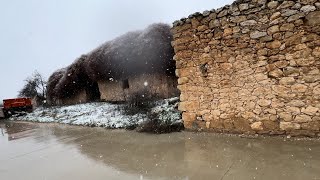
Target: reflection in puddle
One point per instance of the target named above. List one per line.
(16, 131)
(130, 155)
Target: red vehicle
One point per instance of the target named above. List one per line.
(16, 106)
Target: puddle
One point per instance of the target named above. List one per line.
(53, 151)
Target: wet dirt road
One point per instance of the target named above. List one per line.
(51, 151)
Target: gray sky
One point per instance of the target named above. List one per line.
(45, 35)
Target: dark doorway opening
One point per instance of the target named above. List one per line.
(93, 92)
(125, 84)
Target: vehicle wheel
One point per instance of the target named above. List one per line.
(29, 109)
(7, 114)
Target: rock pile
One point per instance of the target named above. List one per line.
(251, 67)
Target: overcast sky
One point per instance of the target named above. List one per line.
(45, 35)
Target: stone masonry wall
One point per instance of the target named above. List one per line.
(251, 67)
(151, 85)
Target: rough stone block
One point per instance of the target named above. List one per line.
(307, 8)
(257, 126)
(313, 18)
(285, 116)
(287, 81)
(257, 34)
(188, 117)
(189, 106)
(264, 102)
(288, 126)
(310, 110)
(274, 44)
(273, 4)
(302, 119)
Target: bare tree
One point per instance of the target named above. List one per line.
(35, 86)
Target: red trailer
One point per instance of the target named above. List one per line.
(16, 106)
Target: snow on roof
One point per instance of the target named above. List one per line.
(139, 52)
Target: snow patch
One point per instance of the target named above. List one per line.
(104, 114)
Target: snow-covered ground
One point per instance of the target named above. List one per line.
(105, 114)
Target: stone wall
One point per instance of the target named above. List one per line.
(148, 85)
(158, 85)
(251, 67)
(111, 91)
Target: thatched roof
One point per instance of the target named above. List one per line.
(140, 52)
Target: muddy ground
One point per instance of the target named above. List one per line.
(54, 151)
